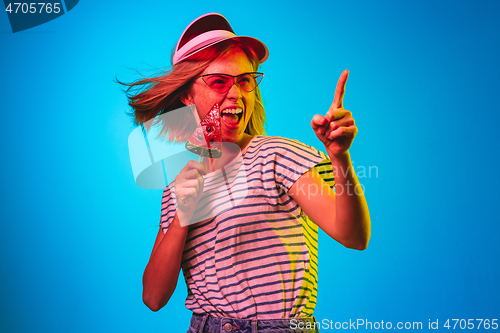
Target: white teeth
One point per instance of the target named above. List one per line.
(233, 111)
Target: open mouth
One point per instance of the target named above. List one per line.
(232, 116)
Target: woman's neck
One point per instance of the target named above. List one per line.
(245, 140)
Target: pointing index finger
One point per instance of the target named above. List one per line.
(339, 92)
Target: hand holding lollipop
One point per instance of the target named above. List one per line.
(205, 141)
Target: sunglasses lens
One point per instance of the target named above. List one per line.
(219, 83)
(246, 82)
(249, 82)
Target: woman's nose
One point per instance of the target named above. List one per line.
(234, 92)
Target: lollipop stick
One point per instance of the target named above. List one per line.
(187, 199)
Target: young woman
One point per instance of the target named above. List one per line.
(252, 268)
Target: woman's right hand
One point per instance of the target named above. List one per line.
(189, 187)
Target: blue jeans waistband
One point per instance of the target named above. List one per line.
(209, 324)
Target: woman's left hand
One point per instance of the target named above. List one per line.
(336, 129)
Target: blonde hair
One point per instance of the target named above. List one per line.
(150, 97)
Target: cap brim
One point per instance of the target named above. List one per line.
(259, 47)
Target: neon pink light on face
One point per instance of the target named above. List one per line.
(235, 101)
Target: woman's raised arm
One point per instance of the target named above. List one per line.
(342, 214)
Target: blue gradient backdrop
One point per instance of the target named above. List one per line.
(76, 232)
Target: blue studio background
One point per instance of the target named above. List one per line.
(76, 232)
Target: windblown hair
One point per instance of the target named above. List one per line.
(151, 97)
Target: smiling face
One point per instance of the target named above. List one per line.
(236, 105)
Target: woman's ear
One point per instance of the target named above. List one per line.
(186, 98)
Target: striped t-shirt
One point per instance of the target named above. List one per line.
(256, 259)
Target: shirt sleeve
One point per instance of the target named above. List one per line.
(168, 208)
(325, 171)
(292, 159)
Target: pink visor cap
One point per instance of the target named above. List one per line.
(208, 30)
